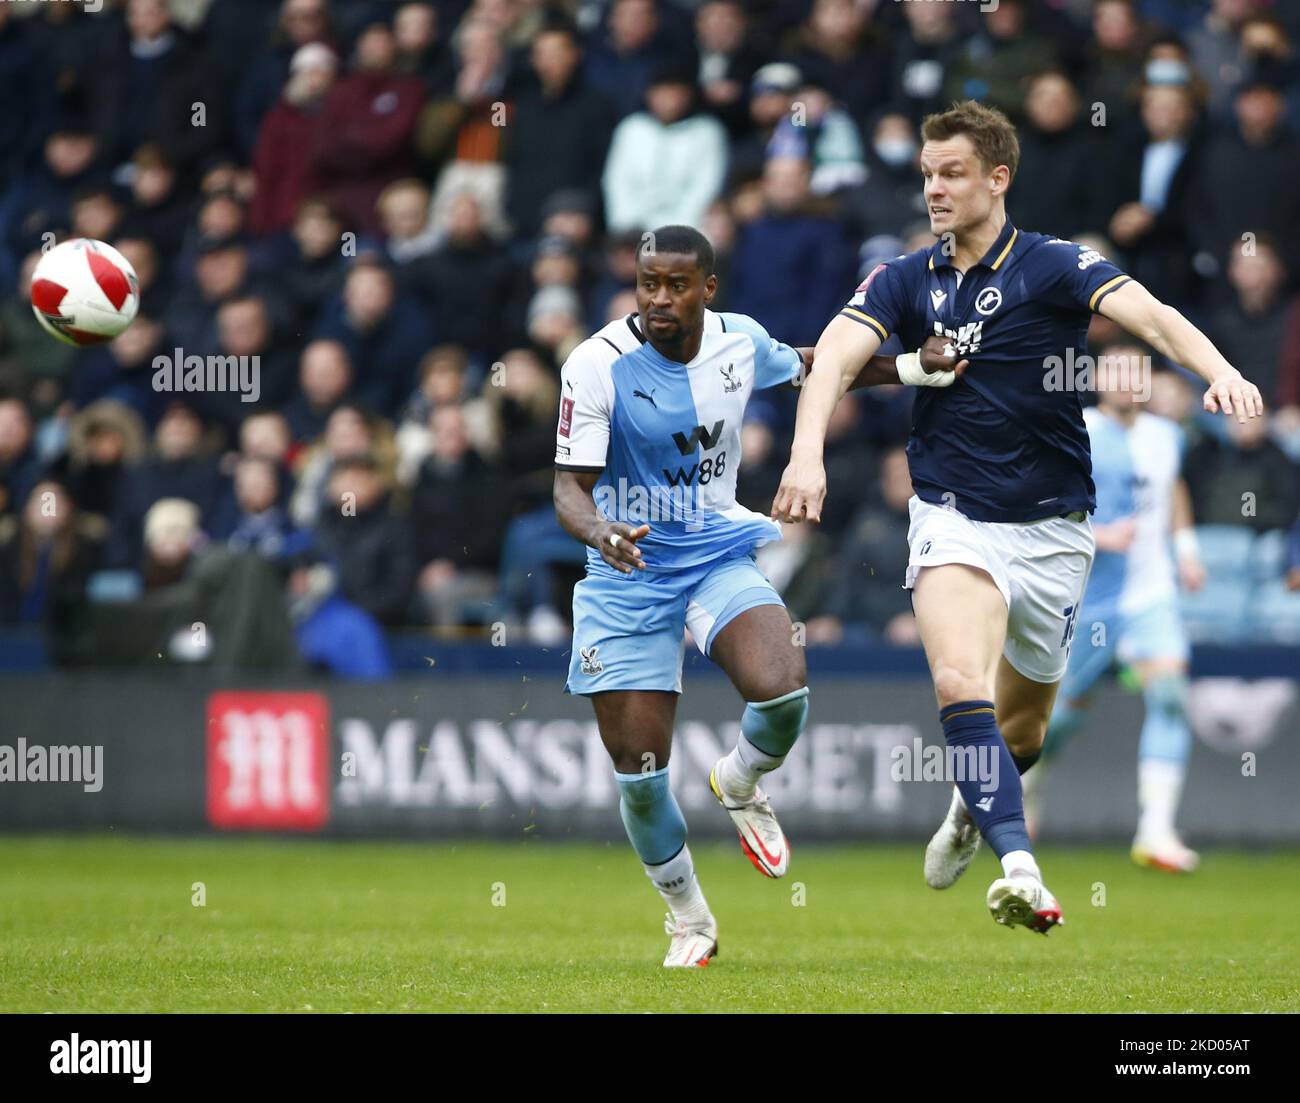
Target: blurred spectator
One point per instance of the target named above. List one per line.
(457, 561)
(367, 542)
(1237, 179)
(523, 404)
(422, 49)
(333, 634)
(262, 81)
(727, 61)
(1055, 187)
(315, 274)
(19, 464)
(771, 101)
(40, 199)
(350, 431)
(179, 468)
(466, 280)
(159, 210)
(825, 136)
(994, 61)
(105, 439)
(1243, 480)
(1147, 191)
(921, 58)
(867, 588)
(464, 131)
(324, 380)
(385, 334)
(262, 526)
(149, 88)
(1250, 328)
(47, 553)
(123, 370)
(364, 141)
(620, 69)
(405, 215)
(1115, 54)
(443, 382)
(838, 49)
(791, 269)
(285, 176)
(666, 164)
(559, 134)
(890, 200)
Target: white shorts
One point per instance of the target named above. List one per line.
(1040, 568)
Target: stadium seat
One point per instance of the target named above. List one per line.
(1274, 613)
(1267, 554)
(1224, 548)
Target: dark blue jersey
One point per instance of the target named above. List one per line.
(1007, 441)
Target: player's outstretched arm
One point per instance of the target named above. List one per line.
(578, 516)
(845, 347)
(1166, 330)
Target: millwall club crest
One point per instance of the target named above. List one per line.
(730, 382)
(590, 664)
(988, 301)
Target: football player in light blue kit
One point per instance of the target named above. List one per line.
(1130, 610)
(646, 454)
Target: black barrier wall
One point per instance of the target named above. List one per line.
(504, 757)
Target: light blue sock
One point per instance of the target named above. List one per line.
(773, 726)
(1165, 732)
(654, 822)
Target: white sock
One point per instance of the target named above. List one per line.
(1160, 785)
(739, 772)
(677, 884)
(1020, 862)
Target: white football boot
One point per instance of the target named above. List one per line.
(1022, 900)
(693, 944)
(1164, 852)
(951, 848)
(761, 837)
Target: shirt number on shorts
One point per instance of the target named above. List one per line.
(1068, 635)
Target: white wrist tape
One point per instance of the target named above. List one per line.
(1185, 544)
(910, 372)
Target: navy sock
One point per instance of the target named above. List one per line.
(986, 775)
(1024, 761)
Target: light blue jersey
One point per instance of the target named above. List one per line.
(665, 436)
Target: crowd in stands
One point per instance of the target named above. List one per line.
(410, 213)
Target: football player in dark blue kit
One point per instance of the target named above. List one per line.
(1000, 540)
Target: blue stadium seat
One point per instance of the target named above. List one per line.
(1274, 613)
(1267, 554)
(1217, 613)
(1224, 548)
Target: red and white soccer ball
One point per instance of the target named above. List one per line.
(84, 292)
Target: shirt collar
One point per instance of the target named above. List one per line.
(993, 259)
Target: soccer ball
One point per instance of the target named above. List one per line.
(84, 292)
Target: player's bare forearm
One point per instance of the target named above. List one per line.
(575, 508)
(844, 351)
(1173, 336)
(880, 370)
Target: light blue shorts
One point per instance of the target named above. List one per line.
(1105, 636)
(629, 630)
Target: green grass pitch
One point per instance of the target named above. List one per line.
(107, 924)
